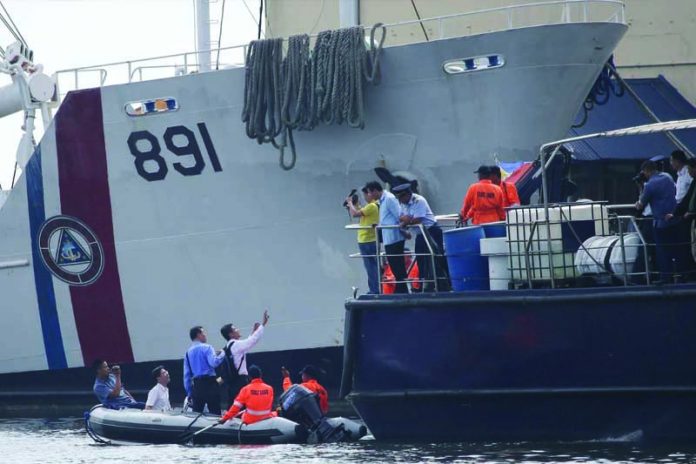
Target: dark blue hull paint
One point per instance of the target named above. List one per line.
(576, 364)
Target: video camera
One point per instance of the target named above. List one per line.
(640, 177)
(353, 198)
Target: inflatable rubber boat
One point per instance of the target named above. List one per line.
(301, 424)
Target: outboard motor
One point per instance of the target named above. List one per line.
(301, 405)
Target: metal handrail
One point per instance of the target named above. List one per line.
(618, 17)
(430, 253)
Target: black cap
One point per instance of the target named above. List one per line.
(483, 170)
(311, 371)
(254, 372)
(402, 188)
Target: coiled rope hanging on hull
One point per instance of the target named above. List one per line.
(303, 89)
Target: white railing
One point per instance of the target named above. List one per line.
(441, 27)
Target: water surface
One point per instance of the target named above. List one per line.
(61, 441)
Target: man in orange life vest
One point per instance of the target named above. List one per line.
(256, 397)
(309, 380)
(510, 196)
(484, 200)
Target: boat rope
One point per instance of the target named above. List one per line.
(185, 432)
(420, 20)
(90, 431)
(303, 89)
(606, 85)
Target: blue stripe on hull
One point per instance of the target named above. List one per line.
(45, 294)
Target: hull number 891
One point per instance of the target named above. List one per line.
(179, 140)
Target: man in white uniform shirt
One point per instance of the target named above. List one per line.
(158, 398)
(678, 162)
(234, 368)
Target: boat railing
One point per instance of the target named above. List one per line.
(411, 31)
(380, 256)
(549, 260)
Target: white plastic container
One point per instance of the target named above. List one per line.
(593, 256)
(632, 247)
(497, 251)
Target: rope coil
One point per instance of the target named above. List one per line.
(304, 89)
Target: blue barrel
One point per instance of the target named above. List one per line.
(494, 229)
(468, 269)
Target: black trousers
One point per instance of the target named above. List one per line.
(206, 392)
(425, 263)
(233, 388)
(397, 264)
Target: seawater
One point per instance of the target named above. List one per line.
(48, 441)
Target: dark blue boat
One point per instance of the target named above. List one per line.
(573, 364)
(606, 357)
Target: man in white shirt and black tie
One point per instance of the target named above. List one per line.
(234, 368)
(158, 397)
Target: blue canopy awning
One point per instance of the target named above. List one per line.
(619, 112)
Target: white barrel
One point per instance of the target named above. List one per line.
(593, 256)
(497, 250)
(632, 247)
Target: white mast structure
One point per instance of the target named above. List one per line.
(203, 44)
(31, 90)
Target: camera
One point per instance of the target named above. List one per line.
(353, 198)
(640, 177)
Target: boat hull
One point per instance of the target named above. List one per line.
(580, 364)
(175, 237)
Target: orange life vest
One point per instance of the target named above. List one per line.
(257, 398)
(315, 387)
(483, 203)
(510, 196)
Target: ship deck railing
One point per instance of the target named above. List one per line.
(383, 256)
(412, 31)
(530, 264)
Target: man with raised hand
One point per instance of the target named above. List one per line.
(235, 373)
(109, 389)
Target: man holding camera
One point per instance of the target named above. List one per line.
(109, 389)
(367, 238)
(659, 193)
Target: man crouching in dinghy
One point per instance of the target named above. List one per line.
(256, 397)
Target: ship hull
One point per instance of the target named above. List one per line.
(581, 364)
(183, 220)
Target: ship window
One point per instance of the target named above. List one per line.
(474, 63)
(154, 106)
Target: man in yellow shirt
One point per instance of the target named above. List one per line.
(367, 238)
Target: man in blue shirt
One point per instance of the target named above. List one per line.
(200, 380)
(393, 239)
(659, 193)
(416, 210)
(109, 389)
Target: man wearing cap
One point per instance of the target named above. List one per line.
(416, 210)
(394, 241)
(483, 202)
(367, 238)
(158, 397)
(256, 399)
(660, 194)
(309, 380)
(510, 195)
